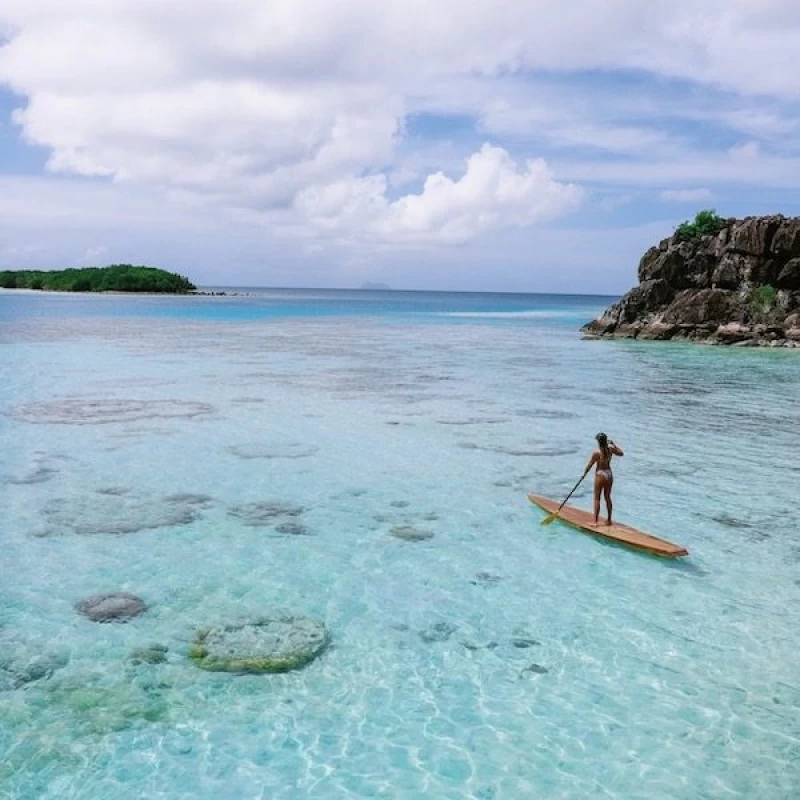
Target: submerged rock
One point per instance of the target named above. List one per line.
(292, 528)
(275, 450)
(264, 513)
(486, 579)
(438, 632)
(115, 607)
(20, 665)
(115, 514)
(39, 474)
(152, 654)
(276, 643)
(521, 638)
(93, 411)
(731, 522)
(410, 534)
(114, 491)
(523, 642)
(190, 499)
(534, 669)
(470, 644)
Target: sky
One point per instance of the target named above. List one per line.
(475, 145)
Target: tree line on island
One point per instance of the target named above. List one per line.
(114, 278)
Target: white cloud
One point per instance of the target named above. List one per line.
(37, 204)
(565, 123)
(745, 153)
(685, 195)
(292, 111)
(611, 202)
(742, 167)
(492, 193)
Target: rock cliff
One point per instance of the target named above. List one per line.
(740, 285)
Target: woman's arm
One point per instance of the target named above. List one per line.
(589, 465)
(615, 449)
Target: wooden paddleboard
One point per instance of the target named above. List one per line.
(624, 534)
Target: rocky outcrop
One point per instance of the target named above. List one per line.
(738, 286)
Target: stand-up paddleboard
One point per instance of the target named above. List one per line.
(624, 534)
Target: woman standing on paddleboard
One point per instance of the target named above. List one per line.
(603, 477)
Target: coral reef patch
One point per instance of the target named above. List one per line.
(114, 607)
(92, 411)
(278, 642)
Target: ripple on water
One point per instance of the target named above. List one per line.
(641, 665)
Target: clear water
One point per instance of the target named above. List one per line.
(641, 678)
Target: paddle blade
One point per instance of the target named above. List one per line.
(549, 518)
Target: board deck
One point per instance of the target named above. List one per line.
(624, 534)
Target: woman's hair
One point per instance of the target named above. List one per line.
(602, 440)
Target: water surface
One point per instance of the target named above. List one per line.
(496, 658)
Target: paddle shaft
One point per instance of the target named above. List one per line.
(553, 516)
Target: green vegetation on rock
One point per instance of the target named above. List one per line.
(705, 222)
(740, 286)
(255, 665)
(115, 278)
(762, 299)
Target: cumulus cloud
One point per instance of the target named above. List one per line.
(293, 111)
(492, 193)
(685, 195)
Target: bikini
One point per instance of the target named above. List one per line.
(605, 472)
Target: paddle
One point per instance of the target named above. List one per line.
(550, 517)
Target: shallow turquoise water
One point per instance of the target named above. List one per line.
(647, 679)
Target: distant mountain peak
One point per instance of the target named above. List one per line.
(376, 287)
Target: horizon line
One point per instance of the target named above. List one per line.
(420, 291)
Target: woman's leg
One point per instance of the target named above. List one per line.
(607, 492)
(598, 487)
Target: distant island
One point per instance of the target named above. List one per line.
(376, 287)
(114, 278)
(720, 281)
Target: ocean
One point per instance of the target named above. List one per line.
(146, 443)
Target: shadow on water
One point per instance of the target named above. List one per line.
(680, 564)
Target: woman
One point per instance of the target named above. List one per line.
(603, 477)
